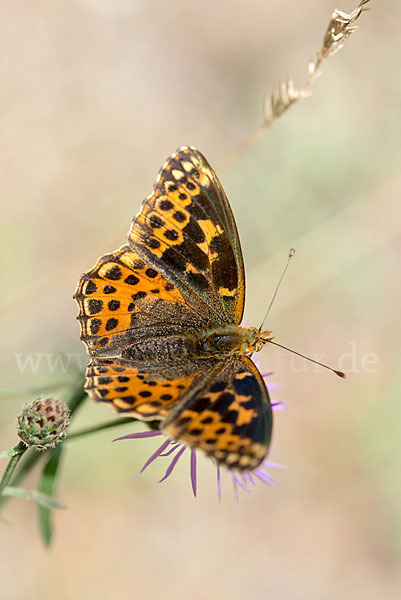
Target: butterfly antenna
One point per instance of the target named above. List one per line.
(339, 373)
(290, 255)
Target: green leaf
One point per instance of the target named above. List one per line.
(33, 496)
(47, 486)
(12, 452)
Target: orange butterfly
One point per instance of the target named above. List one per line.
(160, 318)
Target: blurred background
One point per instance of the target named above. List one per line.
(95, 95)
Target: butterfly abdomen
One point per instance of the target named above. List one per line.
(164, 349)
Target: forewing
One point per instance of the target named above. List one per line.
(146, 396)
(123, 299)
(230, 418)
(186, 230)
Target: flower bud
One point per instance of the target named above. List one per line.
(43, 423)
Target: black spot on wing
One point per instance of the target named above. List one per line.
(231, 416)
(114, 305)
(179, 216)
(95, 306)
(201, 404)
(218, 386)
(166, 205)
(224, 269)
(114, 273)
(174, 260)
(246, 386)
(109, 289)
(138, 296)
(171, 235)
(132, 280)
(91, 287)
(95, 325)
(152, 243)
(194, 231)
(111, 324)
(198, 212)
(193, 255)
(156, 222)
(259, 430)
(223, 402)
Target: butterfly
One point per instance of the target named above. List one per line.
(161, 317)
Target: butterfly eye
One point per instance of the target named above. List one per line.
(216, 342)
(224, 342)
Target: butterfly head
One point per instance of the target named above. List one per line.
(257, 339)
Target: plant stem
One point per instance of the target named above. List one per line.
(76, 398)
(96, 428)
(12, 464)
(31, 458)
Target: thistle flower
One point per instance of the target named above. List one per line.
(175, 449)
(43, 423)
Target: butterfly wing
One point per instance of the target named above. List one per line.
(144, 395)
(186, 231)
(122, 299)
(230, 418)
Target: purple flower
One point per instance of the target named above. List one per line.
(175, 449)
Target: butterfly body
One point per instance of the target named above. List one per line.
(217, 343)
(161, 320)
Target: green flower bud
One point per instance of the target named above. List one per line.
(43, 423)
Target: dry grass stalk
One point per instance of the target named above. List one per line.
(341, 26)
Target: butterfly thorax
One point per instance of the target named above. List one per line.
(202, 344)
(230, 340)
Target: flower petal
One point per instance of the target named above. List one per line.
(171, 466)
(272, 465)
(273, 385)
(218, 482)
(174, 447)
(235, 491)
(267, 374)
(193, 471)
(140, 434)
(154, 456)
(250, 478)
(265, 477)
(238, 482)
